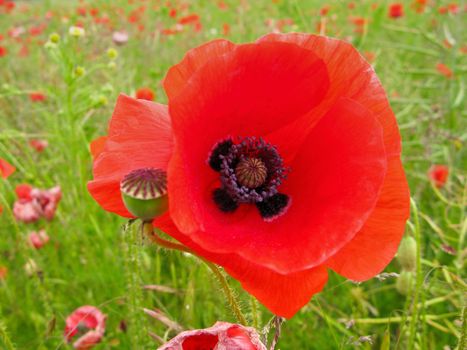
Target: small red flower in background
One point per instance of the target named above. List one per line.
(87, 324)
(3, 51)
(37, 97)
(145, 93)
(453, 8)
(324, 10)
(221, 336)
(33, 203)
(38, 239)
(173, 13)
(6, 169)
(444, 70)
(38, 145)
(189, 19)
(3, 272)
(396, 10)
(282, 160)
(438, 174)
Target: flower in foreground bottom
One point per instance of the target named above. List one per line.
(87, 324)
(282, 160)
(221, 336)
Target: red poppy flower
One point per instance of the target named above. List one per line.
(444, 70)
(438, 174)
(3, 51)
(6, 169)
(283, 160)
(145, 94)
(38, 145)
(33, 203)
(88, 324)
(37, 97)
(222, 335)
(3, 272)
(38, 239)
(396, 10)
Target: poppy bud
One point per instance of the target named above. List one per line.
(112, 53)
(404, 282)
(144, 192)
(79, 71)
(54, 38)
(407, 254)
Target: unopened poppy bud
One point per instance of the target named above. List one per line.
(407, 253)
(112, 53)
(54, 38)
(144, 192)
(404, 282)
(79, 71)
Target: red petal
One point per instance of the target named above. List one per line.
(179, 74)
(97, 146)
(6, 169)
(350, 76)
(139, 136)
(249, 91)
(282, 294)
(374, 246)
(334, 184)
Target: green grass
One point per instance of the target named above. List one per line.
(89, 261)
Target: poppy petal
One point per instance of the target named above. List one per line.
(140, 136)
(350, 76)
(6, 169)
(179, 74)
(241, 93)
(374, 246)
(97, 146)
(282, 294)
(333, 185)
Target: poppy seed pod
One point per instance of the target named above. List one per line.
(404, 282)
(407, 254)
(144, 192)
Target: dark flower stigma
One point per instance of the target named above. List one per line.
(251, 170)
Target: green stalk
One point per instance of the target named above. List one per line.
(132, 243)
(463, 338)
(5, 337)
(419, 277)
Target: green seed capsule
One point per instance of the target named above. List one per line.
(144, 193)
(407, 253)
(404, 282)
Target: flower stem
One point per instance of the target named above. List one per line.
(278, 321)
(4, 336)
(132, 241)
(463, 337)
(228, 292)
(419, 278)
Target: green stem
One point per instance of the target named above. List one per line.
(4, 336)
(132, 241)
(463, 338)
(228, 292)
(419, 277)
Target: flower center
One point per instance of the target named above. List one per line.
(251, 170)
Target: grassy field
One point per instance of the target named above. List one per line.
(420, 58)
